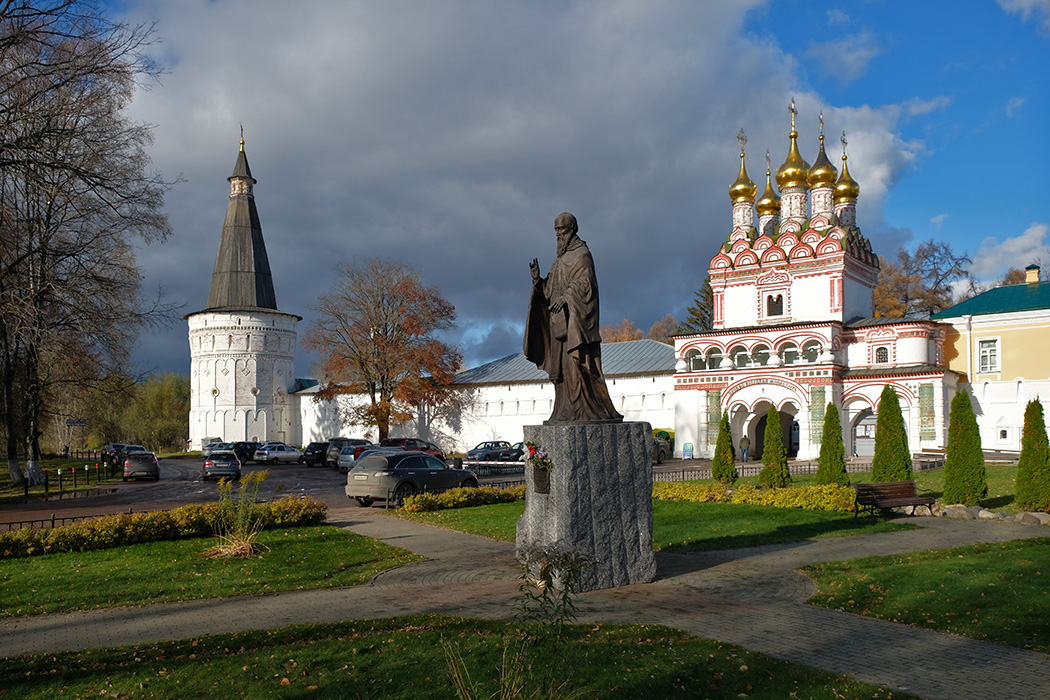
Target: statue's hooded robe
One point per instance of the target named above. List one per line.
(566, 343)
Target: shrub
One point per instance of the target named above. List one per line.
(692, 492)
(775, 473)
(832, 497)
(1032, 487)
(964, 476)
(185, 522)
(892, 460)
(462, 498)
(723, 468)
(831, 468)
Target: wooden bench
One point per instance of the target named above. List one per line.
(889, 494)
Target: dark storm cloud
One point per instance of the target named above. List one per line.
(449, 136)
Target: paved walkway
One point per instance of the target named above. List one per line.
(751, 597)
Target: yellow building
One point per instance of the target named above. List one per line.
(999, 342)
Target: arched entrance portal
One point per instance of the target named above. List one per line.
(862, 433)
(789, 428)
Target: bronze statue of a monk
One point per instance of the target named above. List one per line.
(561, 331)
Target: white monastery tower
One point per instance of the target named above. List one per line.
(242, 349)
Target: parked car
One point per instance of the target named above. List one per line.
(277, 453)
(336, 445)
(351, 453)
(488, 451)
(661, 449)
(109, 452)
(414, 444)
(141, 465)
(314, 454)
(212, 446)
(123, 452)
(222, 463)
(245, 450)
(392, 476)
(516, 453)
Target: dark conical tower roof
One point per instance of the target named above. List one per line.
(241, 278)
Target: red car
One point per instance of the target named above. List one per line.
(414, 444)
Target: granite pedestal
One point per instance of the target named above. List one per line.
(599, 504)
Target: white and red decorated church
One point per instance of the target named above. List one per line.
(794, 326)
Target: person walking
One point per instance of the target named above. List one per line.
(745, 444)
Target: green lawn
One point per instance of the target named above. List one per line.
(680, 526)
(296, 558)
(403, 658)
(997, 592)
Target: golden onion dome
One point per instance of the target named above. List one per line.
(795, 170)
(846, 188)
(742, 189)
(769, 202)
(822, 173)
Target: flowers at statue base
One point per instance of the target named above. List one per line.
(538, 458)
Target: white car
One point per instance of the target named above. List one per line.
(277, 453)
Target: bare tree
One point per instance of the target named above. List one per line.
(921, 283)
(75, 189)
(377, 335)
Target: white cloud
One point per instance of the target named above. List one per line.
(449, 135)
(845, 59)
(837, 16)
(939, 220)
(1012, 106)
(1039, 9)
(995, 257)
(917, 108)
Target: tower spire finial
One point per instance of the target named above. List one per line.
(821, 126)
(793, 113)
(242, 138)
(742, 139)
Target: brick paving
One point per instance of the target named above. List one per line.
(752, 597)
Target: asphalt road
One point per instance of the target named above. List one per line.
(180, 483)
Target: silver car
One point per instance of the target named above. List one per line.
(275, 453)
(392, 476)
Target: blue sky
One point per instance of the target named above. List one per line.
(449, 135)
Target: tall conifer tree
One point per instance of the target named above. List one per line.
(832, 466)
(892, 460)
(723, 468)
(964, 475)
(1032, 487)
(775, 473)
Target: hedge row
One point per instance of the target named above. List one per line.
(463, 498)
(194, 520)
(824, 497)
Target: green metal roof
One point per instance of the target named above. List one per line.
(1001, 300)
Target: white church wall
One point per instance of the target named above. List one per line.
(741, 306)
(810, 299)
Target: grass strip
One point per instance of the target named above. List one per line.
(403, 658)
(996, 592)
(680, 526)
(294, 558)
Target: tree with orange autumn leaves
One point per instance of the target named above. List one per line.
(375, 333)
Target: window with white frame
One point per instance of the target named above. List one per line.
(988, 351)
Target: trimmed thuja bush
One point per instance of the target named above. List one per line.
(723, 468)
(1032, 489)
(832, 466)
(775, 473)
(892, 460)
(964, 477)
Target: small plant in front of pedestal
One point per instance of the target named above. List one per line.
(538, 458)
(532, 666)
